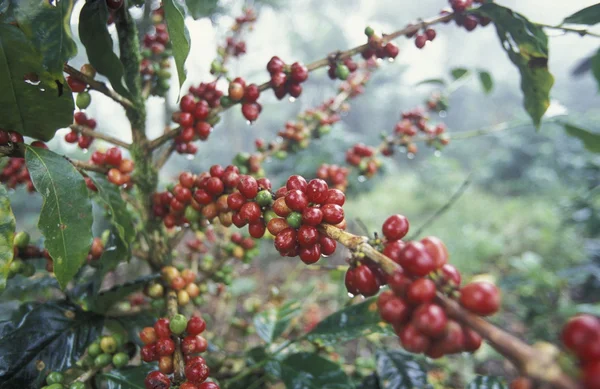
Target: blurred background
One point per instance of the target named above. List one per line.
(529, 216)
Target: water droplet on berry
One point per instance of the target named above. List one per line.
(443, 114)
(248, 122)
(85, 151)
(362, 178)
(437, 153)
(391, 59)
(350, 295)
(410, 156)
(292, 99)
(190, 157)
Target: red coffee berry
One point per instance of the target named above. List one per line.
(113, 156)
(395, 227)
(420, 41)
(451, 275)
(307, 236)
(579, 330)
(365, 281)
(421, 291)
(295, 90)
(214, 186)
(161, 327)
(157, 380)
(394, 310)
(415, 259)
(481, 298)
(312, 216)
(349, 281)
(182, 194)
(460, 5)
(257, 230)
(203, 130)
(276, 225)
(148, 353)
(317, 191)
(591, 375)
(76, 85)
(114, 4)
(399, 282)
(250, 212)
(335, 196)
(186, 179)
(430, 320)
(196, 325)
(248, 186)
(196, 372)
(251, 111)
(328, 245)
(311, 254)
(296, 182)
(332, 213)
(275, 65)
(430, 34)
(251, 93)
(412, 340)
(188, 344)
(165, 346)
(148, 335)
(472, 340)
(188, 385)
(278, 80)
(296, 200)
(207, 385)
(436, 249)
(285, 240)
(298, 72)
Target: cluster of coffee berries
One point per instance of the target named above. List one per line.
(377, 48)
(183, 282)
(242, 248)
(581, 336)
(120, 168)
(335, 176)
(286, 79)
(363, 157)
(428, 35)
(410, 304)
(416, 122)
(300, 207)
(249, 163)
(22, 250)
(247, 95)
(469, 21)
(15, 172)
(156, 51)
(108, 350)
(341, 69)
(234, 46)
(252, 198)
(83, 141)
(194, 117)
(159, 346)
(56, 380)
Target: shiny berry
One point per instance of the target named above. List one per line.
(430, 320)
(481, 298)
(395, 227)
(332, 213)
(157, 380)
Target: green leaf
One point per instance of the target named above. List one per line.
(370, 382)
(102, 302)
(119, 215)
(310, 371)
(66, 215)
(35, 109)
(271, 323)
(398, 370)
(202, 8)
(7, 234)
(49, 337)
(527, 47)
(591, 140)
(589, 16)
(352, 322)
(49, 28)
(180, 39)
(459, 73)
(125, 378)
(486, 382)
(595, 63)
(98, 43)
(432, 81)
(487, 83)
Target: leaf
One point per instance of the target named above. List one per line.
(589, 16)
(49, 28)
(486, 382)
(131, 377)
(459, 73)
(370, 382)
(595, 63)
(7, 234)
(98, 43)
(35, 109)
(66, 215)
(119, 215)
(352, 322)
(591, 140)
(271, 323)
(134, 324)
(180, 39)
(102, 302)
(28, 286)
(433, 81)
(202, 8)
(50, 337)
(398, 370)
(527, 47)
(308, 371)
(487, 83)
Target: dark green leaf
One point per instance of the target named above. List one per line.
(66, 215)
(50, 337)
(134, 324)
(398, 370)
(433, 81)
(102, 302)
(180, 39)
(35, 109)
(595, 63)
(98, 43)
(527, 47)
(487, 83)
(310, 371)
(349, 323)
(591, 140)
(271, 323)
(459, 73)
(119, 215)
(202, 8)
(485, 382)
(589, 16)
(28, 286)
(125, 378)
(370, 382)
(7, 234)
(49, 28)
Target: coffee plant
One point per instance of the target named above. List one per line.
(183, 243)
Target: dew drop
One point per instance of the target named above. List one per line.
(410, 156)
(391, 59)
(437, 153)
(350, 295)
(362, 178)
(443, 114)
(248, 122)
(292, 99)
(190, 157)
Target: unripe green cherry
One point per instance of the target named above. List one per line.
(55, 386)
(77, 385)
(280, 154)
(191, 214)
(108, 344)
(16, 266)
(324, 130)
(27, 270)
(164, 83)
(120, 359)
(55, 378)
(226, 101)
(158, 304)
(342, 72)
(94, 349)
(269, 215)
(264, 198)
(369, 31)
(164, 74)
(21, 239)
(102, 360)
(84, 99)
(178, 324)
(294, 219)
(105, 237)
(156, 291)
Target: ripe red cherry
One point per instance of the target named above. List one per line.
(420, 41)
(349, 281)
(481, 298)
(217, 171)
(451, 275)
(335, 196)
(251, 111)
(296, 182)
(148, 353)
(430, 320)
(285, 240)
(436, 249)
(148, 335)
(311, 254)
(182, 194)
(275, 65)
(278, 80)
(161, 327)
(365, 281)
(188, 385)
(251, 93)
(395, 227)
(207, 385)
(580, 330)
(257, 230)
(295, 90)
(472, 340)
(460, 5)
(196, 372)
(307, 236)
(76, 85)
(157, 380)
(186, 179)
(412, 340)
(430, 34)
(165, 346)
(298, 72)
(394, 310)
(393, 249)
(421, 291)
(187, 103)
(297, 201)
(312, 216)
(332, 213)
(399, 282)
(113, 156)
(450, 343)
(196, 325)
(415, 260)
(250, 212)
(114, 4)
(203, 130)
(214, 186)
(591, 375)
(328, 245)
(248, 186)
(317, 191)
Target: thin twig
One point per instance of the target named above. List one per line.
(81, 165)
(579, 31)
(444, 208)
(97, 86)
(178, 362)
(98, 135)
(164, 157)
